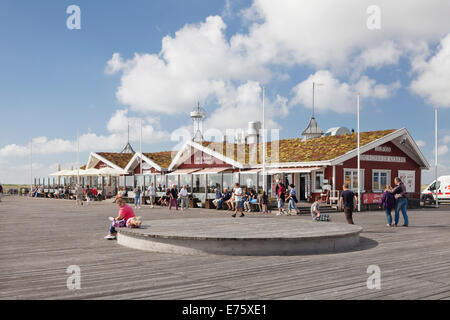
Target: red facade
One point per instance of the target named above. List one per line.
(369, 166)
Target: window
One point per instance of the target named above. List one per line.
(318, 180)
(380, 179)
(409, 179)
(351, 178)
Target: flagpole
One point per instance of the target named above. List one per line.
(359, 160)
(140, 166)
(436, 156)
(78, 156)
(31, 164)
(264, 143)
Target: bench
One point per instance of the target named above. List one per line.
(193, 203)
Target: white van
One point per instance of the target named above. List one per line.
(443, 190)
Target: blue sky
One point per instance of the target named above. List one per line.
(54, 81)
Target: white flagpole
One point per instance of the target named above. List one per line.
(31, 164)
(436, 155)
(359, 162)
(264, 143)
(142, 178)
(78, 156)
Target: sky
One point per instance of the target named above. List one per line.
(153, 61)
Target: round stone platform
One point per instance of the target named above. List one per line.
(241, 236)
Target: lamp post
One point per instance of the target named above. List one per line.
(31, 164)
(78, 156)
(436, 156)
(264, 143)
(140, 164)
(359, 158)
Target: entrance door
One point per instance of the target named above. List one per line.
(302, 187)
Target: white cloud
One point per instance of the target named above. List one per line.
(441, 150)
(420, 143)
(240, 105)
(433, 79)
(117, 126)
(306, 32)
(446, 139)
(193, 65)
(339, 96)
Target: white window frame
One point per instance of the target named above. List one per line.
(388, 178)
(314, 179)
(354, 171)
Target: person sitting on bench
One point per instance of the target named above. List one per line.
(217, 199)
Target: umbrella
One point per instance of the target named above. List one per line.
(63, 173)
(89, 172)
(106, 172)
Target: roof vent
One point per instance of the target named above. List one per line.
(336, 131)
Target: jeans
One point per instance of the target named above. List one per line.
(291, 205)
(173, 201)
(137, 201)
(184, 202)
(117, 224)
(388, 215)
(219, 204)
(402, 203)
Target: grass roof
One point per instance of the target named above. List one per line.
(297, 150)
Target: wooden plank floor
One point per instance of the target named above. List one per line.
(40, 238)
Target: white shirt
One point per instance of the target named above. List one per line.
(183, 192)
(237, 194)
(151, 191)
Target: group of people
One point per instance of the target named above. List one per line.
(172, 197)
(393, 198)
(245, 200)
(289, 196)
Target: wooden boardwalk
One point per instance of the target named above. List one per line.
(40, 238)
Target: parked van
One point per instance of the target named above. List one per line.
(443, 190)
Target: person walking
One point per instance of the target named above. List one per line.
(184, 198)
(173, 197)
(137, 197)
(79, 195)
(388, 203)
(399, 193)
(152, 194)
(281, 197)
(292, 198)
(348, 201)
(237, 191)
(264, 202)
(88, 194)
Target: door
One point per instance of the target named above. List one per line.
(302, 188)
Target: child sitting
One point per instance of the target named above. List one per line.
(315, 213)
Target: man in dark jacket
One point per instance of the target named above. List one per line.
(399, 193)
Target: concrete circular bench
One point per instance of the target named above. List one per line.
(241, 236)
